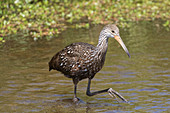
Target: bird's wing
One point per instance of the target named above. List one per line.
(71, 58)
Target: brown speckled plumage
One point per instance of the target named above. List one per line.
(79, 60)
(82, 60)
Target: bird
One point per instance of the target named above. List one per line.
(81, 60)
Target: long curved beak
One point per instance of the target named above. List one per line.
(118, 38)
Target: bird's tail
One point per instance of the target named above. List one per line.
(53, 62)
(50, 66)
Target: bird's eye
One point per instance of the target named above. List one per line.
(113, 31)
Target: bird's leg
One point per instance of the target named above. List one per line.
(75, 99)
(111, 92)
(94, 93)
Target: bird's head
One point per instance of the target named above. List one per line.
(112, 31)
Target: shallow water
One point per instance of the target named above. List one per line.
(144, 79)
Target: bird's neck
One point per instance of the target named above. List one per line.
(102, 44)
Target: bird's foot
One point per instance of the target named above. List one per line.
(114, 93)
(75, 99)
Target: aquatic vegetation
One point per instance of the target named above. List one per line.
(44, 18)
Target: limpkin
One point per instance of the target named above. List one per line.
(82, 60)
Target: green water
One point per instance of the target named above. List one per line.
(144, 79)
